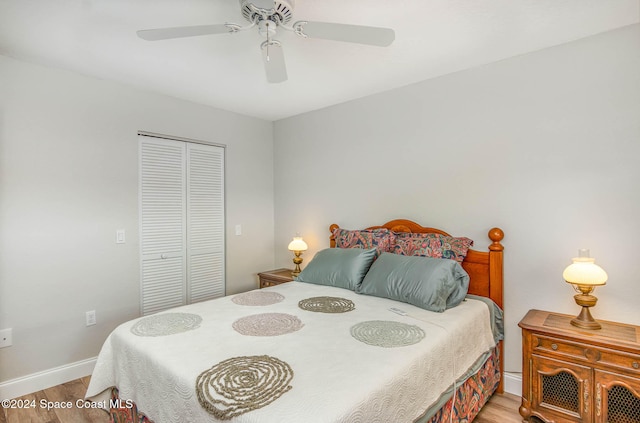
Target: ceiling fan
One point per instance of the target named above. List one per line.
(268, 16)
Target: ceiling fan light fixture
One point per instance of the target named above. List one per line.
(267, 29)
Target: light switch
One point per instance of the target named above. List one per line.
(90, 318)
(238, 230)
(120, 238)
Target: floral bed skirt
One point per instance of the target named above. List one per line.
(473, 394)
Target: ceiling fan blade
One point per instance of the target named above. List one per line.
(182, 31)
(273, 58)
(370, 35)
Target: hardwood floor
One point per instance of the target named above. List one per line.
(65, 393)
(500, 409)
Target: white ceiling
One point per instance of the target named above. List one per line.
(433, 38)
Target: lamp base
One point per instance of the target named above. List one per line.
(584, 320)
(296, 261)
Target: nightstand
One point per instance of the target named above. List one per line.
(577, 375)
(275, 277)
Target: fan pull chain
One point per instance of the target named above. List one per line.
(268, 44)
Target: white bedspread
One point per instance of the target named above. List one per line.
(336, 377)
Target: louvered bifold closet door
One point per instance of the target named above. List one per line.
(205, 222)
(163, 218)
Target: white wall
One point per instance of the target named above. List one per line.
(69, 179)
(545, 146)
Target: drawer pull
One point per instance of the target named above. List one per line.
(635, 365)
(554, 347)
(593, 355)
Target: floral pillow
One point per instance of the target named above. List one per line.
(431, 245)
(380, 239)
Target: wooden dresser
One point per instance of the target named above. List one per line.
(275, 277)
(578, 375)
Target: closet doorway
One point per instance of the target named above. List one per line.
(182, 222)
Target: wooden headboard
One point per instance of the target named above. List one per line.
(485, 268)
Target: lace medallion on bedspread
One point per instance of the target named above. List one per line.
(166, 324)
(327, 304)
(257, 298)
(267, 324)
(241, 384)
(388, 334)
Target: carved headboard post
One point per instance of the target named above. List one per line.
(332, 237)
(496, 251)
(496, 277)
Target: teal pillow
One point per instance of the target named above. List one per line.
(341, 267)
(429, 283)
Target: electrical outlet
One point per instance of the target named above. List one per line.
(6, 338)
(120, 236)
(91, 318)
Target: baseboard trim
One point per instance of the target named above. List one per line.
(513, 383)
(45, 379)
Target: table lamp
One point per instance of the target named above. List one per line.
(297, 246)
(584, 274)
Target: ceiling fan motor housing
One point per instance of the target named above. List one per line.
(282, 11)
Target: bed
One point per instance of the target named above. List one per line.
(337, 345)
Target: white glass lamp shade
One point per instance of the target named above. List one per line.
(584, 271)
(297, 244)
